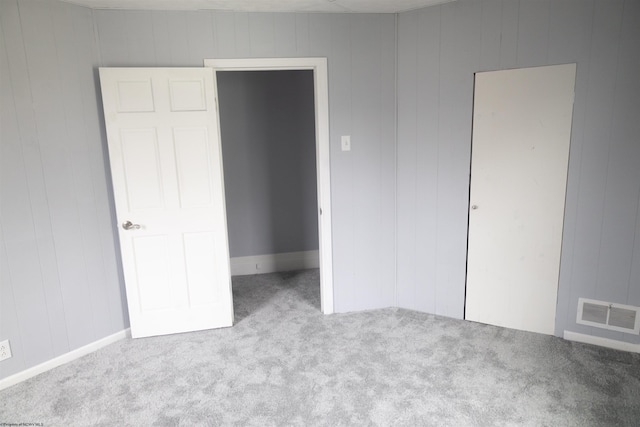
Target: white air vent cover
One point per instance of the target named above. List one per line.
(601, 314)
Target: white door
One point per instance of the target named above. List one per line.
(521, 133)
(166, 167)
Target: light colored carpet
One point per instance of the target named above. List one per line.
(284, 363)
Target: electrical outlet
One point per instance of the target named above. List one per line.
(5, 350)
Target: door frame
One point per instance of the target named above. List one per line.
(323, 164)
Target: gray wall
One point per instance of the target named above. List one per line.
(439, 49)
(267, 123)
(59, 286)
(361, 59)
(60, 279)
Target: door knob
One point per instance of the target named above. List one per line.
(474, 207)
(128, 225)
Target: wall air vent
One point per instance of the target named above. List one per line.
(616, 317)
(595, 313)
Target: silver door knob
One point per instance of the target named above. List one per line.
(128, 225)
(474, 207)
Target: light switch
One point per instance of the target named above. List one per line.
(346, 143)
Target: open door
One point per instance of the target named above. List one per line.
(166, 167)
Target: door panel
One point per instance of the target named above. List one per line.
(135, 96)
(151, 255)
(521, 133)
(142, 168)
(166, 167)
(192, 163)
(199, 251)
(187, 95)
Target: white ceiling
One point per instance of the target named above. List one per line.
(360, 6)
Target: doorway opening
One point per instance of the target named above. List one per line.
(273, 116)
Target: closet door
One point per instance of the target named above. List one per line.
(521, 133)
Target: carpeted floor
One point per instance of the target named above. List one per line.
(284, 363)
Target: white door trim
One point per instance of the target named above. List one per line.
(323, 170)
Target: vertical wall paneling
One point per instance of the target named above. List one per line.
(89, 53)
(242, 35)
(634, 276)
(26, 121)
(319, 34)
(52, 122)
(39, 295)
(623, 174)
(630, 70)
(42, 292)
(387, 161)
(284, 27)
(224, 34)
(302, 34)
(599, 254)
(59, 258)
(113, 38)
(598, 104)
(9, 323)
(367, 197)
(366, 185)
(342, 165)
(533, 33)
(178, 40)
(569, 31)
(140, 36)
(418, 179)
(570, 41)
(459, 44)
(70, 66)
(406, 193)
(262, 34)
(24, 285)
(491, 34)
(509, 33)
(202, 43)
(160, 29)
(426, 159)
(9, 133)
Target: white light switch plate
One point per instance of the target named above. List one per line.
(346, 143)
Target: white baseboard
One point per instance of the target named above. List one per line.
(62, 359)
(271, 263)
(602, 342)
